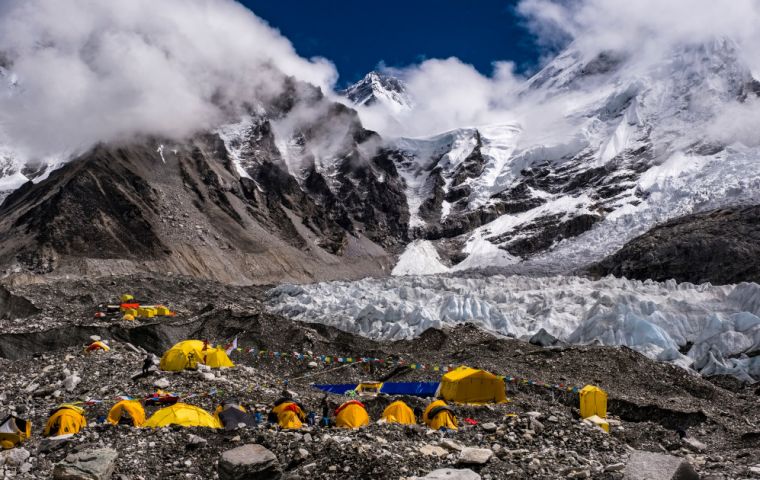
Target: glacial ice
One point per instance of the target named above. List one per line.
(717, 326)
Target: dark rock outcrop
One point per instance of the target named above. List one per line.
(720, 246)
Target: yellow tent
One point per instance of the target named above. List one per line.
(438, 415)
(127, 412)
(468, 385)
(13, 431)
(217, 358)
(399, 412)
(189, 353)
(183, 415)
(289, 415)
(351, 415)
(593, 402)
(66, 419)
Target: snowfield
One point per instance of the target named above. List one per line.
(716, 326)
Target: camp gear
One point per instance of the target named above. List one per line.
(438, 415)
(97, 346)
(399, 412)
(189, 353)
(290, 415)
(593, 401)
(13, 431)
(183, 415)
(232, 414)
(160, 398)
(127, 412)
(351, 414)
(126, 298)
(599, 422)
(67, 418)
(368, 389)
(469, 385)
(128, 317)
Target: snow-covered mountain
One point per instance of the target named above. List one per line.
(638, 144)
(379, 88)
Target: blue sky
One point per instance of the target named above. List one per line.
(356, 35)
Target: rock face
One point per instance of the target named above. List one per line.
(249, 462)
(89, 465)
(658, 466)
(721, 246)
(542, 338)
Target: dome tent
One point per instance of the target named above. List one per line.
(189, 353)
(470, 385)
(399, 412)
(13, 431)
(438, 415)
(66, 419)
(127, 412)
(184, 415)
(351, 414)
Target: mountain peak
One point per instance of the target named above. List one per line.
(379, 87)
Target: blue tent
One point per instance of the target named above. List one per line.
(418, 389)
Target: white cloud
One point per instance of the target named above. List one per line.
(102, 70)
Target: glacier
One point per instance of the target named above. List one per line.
(705, 328)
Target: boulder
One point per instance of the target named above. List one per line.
(14, 457)
(249, 462)
(489, 427)
(452, 445)
(161, 383)
(658, 466)
(475, 456)
(542, 338)
(88, 465)
(450, 474)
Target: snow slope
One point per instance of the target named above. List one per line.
(631, 147)
(657, 319)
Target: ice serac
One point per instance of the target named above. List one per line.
(632, 149)
(711, 329)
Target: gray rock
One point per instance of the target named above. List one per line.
(194, 441)
(452, 445)
(161, 383)
(71, 382)
(694, 444)
(475, 456)
(14, 457)
(433, 451)
(536, 426)
(450, 474)
(542, 338)
(51, 444)
(658, 466)
(489, 427)
(249, 462)
(88, 465)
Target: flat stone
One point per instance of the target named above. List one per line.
(433, 451)
(249, 462)
(658, 466)
(14, 457)
(450, 474)
(475, 456)
(95, 464)
(451, 445)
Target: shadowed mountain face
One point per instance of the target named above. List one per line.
(196, 208)
(721, 246)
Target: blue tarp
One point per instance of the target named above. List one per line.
(418, 389)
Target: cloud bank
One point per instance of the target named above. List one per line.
(449, 93)
(88, 71)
